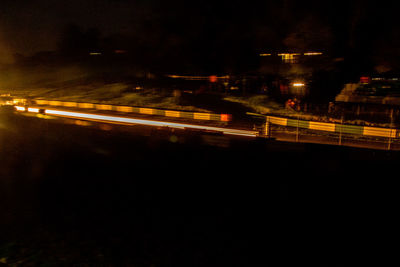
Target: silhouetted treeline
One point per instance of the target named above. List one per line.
(228, 36)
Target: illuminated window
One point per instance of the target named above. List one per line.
(289, 57)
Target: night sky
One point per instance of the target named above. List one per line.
(206, 29)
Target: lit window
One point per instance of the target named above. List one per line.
(289, 57)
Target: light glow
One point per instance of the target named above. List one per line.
(35, 110)
(298, 84)
(19, 108)
(197, 77)
(288, 54)
(289, 57)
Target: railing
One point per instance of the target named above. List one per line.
(140, 110)
(334, 127)
(339, 129)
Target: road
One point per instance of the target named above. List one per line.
(110, 194)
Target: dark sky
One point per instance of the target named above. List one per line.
(29, 26)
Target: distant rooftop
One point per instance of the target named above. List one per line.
(291, 57)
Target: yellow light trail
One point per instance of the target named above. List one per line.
(125, 120)
(313, 54)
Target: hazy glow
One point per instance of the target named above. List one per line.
(313, 54)
(149, 122)
(288, 54)
(225, 117)
(20, 101)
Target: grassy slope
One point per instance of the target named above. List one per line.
(75, 83)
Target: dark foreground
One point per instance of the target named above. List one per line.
(105, 195)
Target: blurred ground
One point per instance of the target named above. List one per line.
(125, 86)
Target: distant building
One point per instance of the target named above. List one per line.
(373, 91)
(292, 70)
(290, 57)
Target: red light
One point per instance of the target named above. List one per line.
(225, 117)
(213, 79)
(365, 79)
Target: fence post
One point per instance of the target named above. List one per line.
(340, 131)
(268, 128)
(391, 127)
(297, 129)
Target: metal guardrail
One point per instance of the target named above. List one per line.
(276, 120)
(126, 120)
(140, 110)
(335, 127)
(343, 132)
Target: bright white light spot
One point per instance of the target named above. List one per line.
(19, 108)
(298, 84)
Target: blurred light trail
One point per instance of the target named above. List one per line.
(35, 110)
(313, 54)
(19, 108)
(126, 120)
(213, 78)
